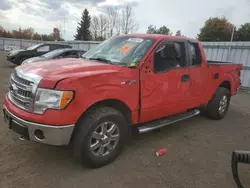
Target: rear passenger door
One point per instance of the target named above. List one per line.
(198, 71)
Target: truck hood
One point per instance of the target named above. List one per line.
(64, 68)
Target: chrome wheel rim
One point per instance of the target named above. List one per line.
(223, 104)
(104, 139)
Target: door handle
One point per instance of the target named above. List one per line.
(185, 78)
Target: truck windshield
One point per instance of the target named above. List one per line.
(124, 50)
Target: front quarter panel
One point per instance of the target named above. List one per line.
(92, 88)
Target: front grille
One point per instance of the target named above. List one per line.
(24, 93)
(21, 80)
(18, 102)
(20, 91)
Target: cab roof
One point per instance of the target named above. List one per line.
(159, 36)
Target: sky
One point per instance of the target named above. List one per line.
(188, 16)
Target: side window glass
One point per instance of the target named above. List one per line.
(80, 54)
(43, 49)
(169, 55)
(71, 55)
(53, 47)
(74, 55)
(195, 54)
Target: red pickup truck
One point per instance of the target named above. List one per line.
(129, 81)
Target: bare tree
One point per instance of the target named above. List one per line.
(128, 19)
(118, 25)
(112, 13)
(103, 26)
(99, 26)
(95, 25)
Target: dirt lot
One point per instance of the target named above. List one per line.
(199, 153)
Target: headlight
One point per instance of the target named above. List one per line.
(13, 53)
(51, 99)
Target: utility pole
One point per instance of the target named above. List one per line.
(64, 25)
(230, 45)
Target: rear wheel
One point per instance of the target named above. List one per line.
(100, 137)
(218, 106)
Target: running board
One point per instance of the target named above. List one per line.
(147, 127)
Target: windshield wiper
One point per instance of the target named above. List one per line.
(103, 60)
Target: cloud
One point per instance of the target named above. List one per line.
(2, 16)
(189, 16)
(52, 4)
(5, 5)
(59, 14)
(120, 4)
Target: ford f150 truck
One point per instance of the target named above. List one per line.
(129, 81)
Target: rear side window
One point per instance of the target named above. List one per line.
(45, 48)
(195, 54)
(72, 54)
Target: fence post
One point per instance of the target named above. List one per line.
(3, 44)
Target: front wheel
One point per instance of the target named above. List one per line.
(100, 137)
(218, 106)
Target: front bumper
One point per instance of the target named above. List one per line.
(11, 59)
(46, 134)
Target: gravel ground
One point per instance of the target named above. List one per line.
(199, 154)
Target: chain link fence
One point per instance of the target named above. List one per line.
(7, 44)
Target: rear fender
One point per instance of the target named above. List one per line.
(227, 78)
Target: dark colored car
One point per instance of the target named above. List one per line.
(18, 56)
(56, 54)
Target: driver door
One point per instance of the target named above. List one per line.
(164, 81)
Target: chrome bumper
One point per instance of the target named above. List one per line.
(52, 135)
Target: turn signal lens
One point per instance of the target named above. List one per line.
(67, 96)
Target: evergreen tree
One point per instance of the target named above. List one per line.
(178, 33)
(83, 28)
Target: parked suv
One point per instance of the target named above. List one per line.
(56, 54)
(18, 56)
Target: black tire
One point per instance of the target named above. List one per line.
(213, 108)
(82, 136)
